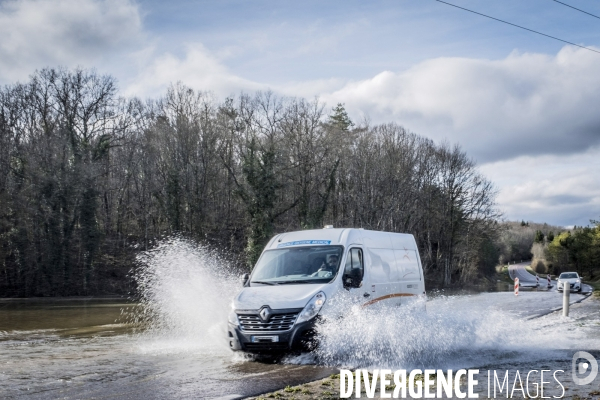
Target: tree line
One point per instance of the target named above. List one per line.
(89, 178)
(520, 241)
(577, 249)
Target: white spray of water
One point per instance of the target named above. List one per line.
(186, 295)
(455, 332)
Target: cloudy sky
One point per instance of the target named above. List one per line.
(524, 106)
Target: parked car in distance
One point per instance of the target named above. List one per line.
(571, 280)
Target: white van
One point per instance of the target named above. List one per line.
(298, 274)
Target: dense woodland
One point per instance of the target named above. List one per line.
(552, 249)
(576, 249)
(517, 240)
(88, 179)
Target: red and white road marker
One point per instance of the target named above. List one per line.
(516, 286)
(549, 281)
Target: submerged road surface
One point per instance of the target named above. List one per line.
(526, 279)
(87, 350)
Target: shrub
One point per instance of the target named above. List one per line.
(539, 266)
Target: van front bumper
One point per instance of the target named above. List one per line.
(300, 337)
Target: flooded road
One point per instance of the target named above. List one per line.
(80, 349)
(84, 349)
(171, 344)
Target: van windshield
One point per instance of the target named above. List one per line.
(298, 265)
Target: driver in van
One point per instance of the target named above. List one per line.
(331, 264)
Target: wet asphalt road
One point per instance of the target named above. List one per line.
(528, 280)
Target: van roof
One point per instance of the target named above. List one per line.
(344, 237)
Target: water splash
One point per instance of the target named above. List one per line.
(186, 292)
(455, 332)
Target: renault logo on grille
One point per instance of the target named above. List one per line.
(265, 313)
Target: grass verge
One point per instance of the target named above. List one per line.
(325, 389)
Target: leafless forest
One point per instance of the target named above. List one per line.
(88, 179)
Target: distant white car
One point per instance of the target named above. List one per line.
(571, 280)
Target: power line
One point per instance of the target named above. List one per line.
(518, 26)
(575, 8)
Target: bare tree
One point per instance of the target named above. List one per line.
(87, 178)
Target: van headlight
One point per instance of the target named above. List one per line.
(233, 318)
(312, 308)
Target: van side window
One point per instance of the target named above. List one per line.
(354, 269)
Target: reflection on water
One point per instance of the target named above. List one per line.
(169, 345)
(87, 349)
(64, 316)
(499, 286)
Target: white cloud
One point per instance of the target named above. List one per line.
(202, 70)
(197, 69)
(497, 109)
(562, 189)
(532, 119)
(38, 33)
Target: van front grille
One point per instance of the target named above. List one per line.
(277, 322)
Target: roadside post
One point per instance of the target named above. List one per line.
(537, 280)
(516, 286)
(566, 295)
(549, 281)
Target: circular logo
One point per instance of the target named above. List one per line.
(582, 367)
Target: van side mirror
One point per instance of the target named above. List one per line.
(348, 283)
(352, 279)
(244, 278)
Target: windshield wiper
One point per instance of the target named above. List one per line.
(265, 283)
(296, 281)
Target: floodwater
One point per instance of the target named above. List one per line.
(83, 349)
(171, 343)
(78, 349)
